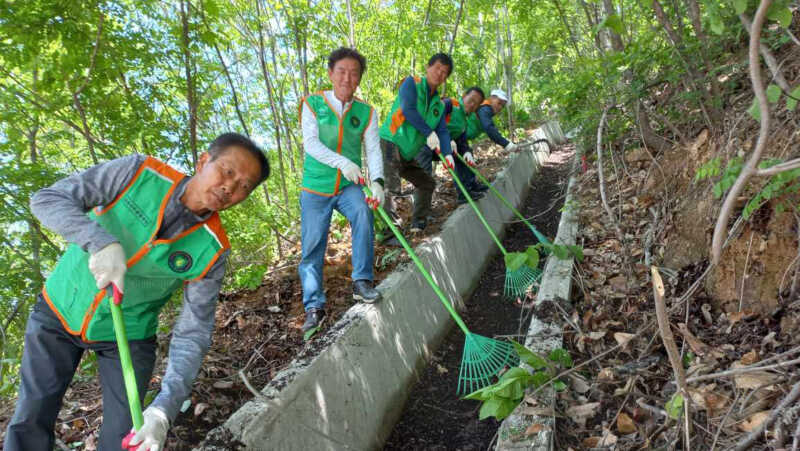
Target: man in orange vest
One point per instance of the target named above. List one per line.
(145, 227)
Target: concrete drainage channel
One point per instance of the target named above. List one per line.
(347, 389)
(542, 338)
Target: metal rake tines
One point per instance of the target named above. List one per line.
(482, 359)
(519, 280)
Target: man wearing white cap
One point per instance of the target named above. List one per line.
(491, 106)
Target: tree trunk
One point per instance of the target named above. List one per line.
(352, 36)
(282, 108)
(233, 91)
(567, 27)
(191, 93)
(508, 63)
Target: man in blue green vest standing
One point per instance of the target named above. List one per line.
(145, 227)
(416, 120)
(457, 115)
(335, 126)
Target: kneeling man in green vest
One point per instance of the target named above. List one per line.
(335, 125)
(148, 229)
(416, 120)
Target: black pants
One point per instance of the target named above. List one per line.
(49, 360)
(395, 167)
(426, 158)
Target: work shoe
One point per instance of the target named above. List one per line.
(314, 319)
(363, 291)
(473, 194)
(418, 225)
(479, 187)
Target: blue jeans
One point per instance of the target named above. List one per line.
(315, 221)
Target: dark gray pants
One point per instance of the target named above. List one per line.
(49, 360)
(395, 167)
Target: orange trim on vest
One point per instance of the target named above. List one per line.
(210, 264)
(87, 318)
(371, 112)
(398, 118)
(215, 224)
(486, 102)
(149, 162)
(58, 314)
(139, 254)
(303, 188)
(300, 109)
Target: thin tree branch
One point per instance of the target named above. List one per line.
(747, 442)
(750, 167)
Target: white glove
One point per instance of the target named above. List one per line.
(108, 265)
(153, 433)
(453, 146)
(377, 195)
(351, 172)
(468, 158)
(432, 141)
(449, 161)
(511, 147)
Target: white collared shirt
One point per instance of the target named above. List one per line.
(325, 155)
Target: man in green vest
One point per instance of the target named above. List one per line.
(148, 229)
(416, 119)
(456, 116)
(335, 126)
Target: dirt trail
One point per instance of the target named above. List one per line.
(435, 418)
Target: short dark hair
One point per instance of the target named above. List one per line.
(475, 89)
(443, 58)
(346, 52)
(222, 143)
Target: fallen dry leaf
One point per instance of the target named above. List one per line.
(754, 421)
(583, 412)
(441, 369)
(623, 338)
(200, 408)
(753, 379)
(605, 375)
(223, 384)
(608, 439)
(625, 424)
(750, 358)
(535, 428)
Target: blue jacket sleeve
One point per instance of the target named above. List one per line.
(444, 136)
(408, 101)
(485, 115)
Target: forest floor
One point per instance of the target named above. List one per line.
(256, 330)
(435, 418)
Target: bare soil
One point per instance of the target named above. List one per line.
(435, 418)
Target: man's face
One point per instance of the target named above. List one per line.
(472, 101)
(345, 77)
(437, 73)
(497, 103)
(225, 181)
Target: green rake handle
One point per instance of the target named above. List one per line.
(471, 202)
(418, 263)
(505, 202)
(125, 357)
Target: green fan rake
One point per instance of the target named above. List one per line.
(483, 358)
(539, 236)
(521, 270)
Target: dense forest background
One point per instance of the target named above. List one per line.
(83, 82)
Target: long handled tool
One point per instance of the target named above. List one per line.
(483, 357)
(519, 275)
(539, 236)
(125, 358)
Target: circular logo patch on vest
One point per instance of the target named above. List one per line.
(180, 261)
(436, 111)
(354, 121)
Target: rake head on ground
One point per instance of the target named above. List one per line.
(520, 280)
(483, 359)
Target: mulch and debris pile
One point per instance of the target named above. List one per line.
(257, 331)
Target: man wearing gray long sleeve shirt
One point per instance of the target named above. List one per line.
(145, 227)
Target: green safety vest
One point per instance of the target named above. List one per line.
(342, 135)
(474, 128)
(456, 120)
(404, 135)
(156, 267)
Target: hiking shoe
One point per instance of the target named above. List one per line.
(418, 225)
(479, 187)
(473, 194)
(314, 319)
(363, 291)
